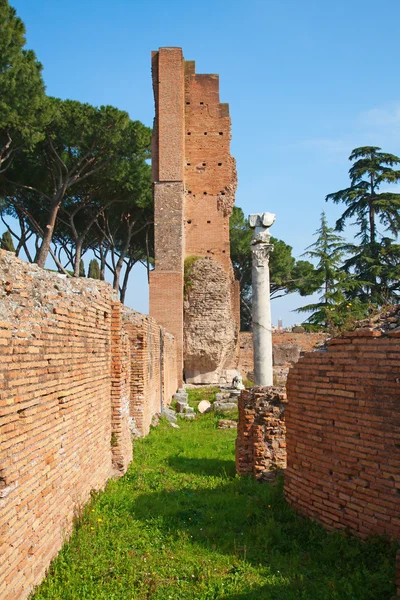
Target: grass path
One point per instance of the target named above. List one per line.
(181, 525)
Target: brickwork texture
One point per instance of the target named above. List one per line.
(67, 406)
(195, 181)
(343, 434)
(260, 443)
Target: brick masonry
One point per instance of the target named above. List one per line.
(260, 443)
(195, 181)
(342, 434)
(304, 342)
(67, 405)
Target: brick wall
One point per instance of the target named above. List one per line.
(195, 182)
(304, 341)
(65, 409)
(210, 171)
(343, 434)
(260, 443)
(153, 367)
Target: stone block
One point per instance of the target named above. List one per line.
(204, 406)
(285, 353)
(169, 414)
(180, 406)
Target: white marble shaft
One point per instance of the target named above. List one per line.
(261, 309)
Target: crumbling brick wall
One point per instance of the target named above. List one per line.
(153, 368)
(65, 410)
(286, 345)
(260, 443)
(343, 434)
(195, 181)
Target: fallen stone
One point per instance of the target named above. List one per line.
(224, 406)
(180, 406)
(169, 414)
(227, 424)
(204, 406)
(188, 410)
(180, 397)
(222, 396)
(188, 416)
(175, 425)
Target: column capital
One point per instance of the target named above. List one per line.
(261, 222)
(260, 253)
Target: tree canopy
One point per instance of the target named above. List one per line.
(375, 260)
(23, 105)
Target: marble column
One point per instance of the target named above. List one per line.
(261, 309)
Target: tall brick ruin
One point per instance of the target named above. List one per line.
(195, 181)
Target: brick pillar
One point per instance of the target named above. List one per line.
(166, 281)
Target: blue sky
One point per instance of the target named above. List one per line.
(306, 80)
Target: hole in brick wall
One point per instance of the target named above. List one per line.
(189, 222)
(330, 472)
(189, 133)
(205, 133)
(221, 133)
(208, 221)
(205, 193)
(220, 164)
(222, 193)
(105, 315)
(187, 102)
(3, 483)
(223, 251)
(201, 102)
(333, 422)
(208, 251)
(188, 164)
(189, 191)
(204, 164)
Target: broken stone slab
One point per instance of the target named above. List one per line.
(188, 416)
(220, 397)
(169, 414)
(182, 397)
(175, 425)
(227, 424)
(224, 406)
(188, 410)
(204, 406)
(180, 406)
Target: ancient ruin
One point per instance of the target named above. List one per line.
(80, 374)
(193, 293)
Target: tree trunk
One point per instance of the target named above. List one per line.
(44, 249)
(124, 287)
(78, 256)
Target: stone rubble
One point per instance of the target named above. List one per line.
(227, 424)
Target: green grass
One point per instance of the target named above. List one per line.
(181, 525)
